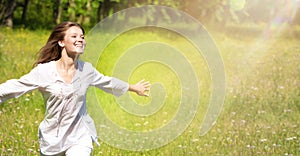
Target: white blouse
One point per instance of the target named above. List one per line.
(66, 120)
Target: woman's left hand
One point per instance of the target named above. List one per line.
(141, 88)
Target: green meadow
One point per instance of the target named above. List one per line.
(260, 114)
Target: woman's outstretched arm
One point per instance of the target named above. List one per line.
(16, 87)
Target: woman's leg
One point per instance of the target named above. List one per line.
(60, 154)
(79, 150)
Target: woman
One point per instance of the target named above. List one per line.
(63, 81)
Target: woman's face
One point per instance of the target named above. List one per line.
(74, 41)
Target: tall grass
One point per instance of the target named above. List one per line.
(20, 117)
(260, 115)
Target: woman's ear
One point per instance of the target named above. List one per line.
(61, 44)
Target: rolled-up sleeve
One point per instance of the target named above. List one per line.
(111, 85)
(16, 87)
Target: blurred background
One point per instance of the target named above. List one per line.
(35, 14)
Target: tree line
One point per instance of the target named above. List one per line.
(46, 13)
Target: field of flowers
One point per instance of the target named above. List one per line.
(260, 115)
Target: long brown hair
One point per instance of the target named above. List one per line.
(52, 51)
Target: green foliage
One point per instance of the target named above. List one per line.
(40, 14)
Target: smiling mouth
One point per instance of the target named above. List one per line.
(79, 45)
